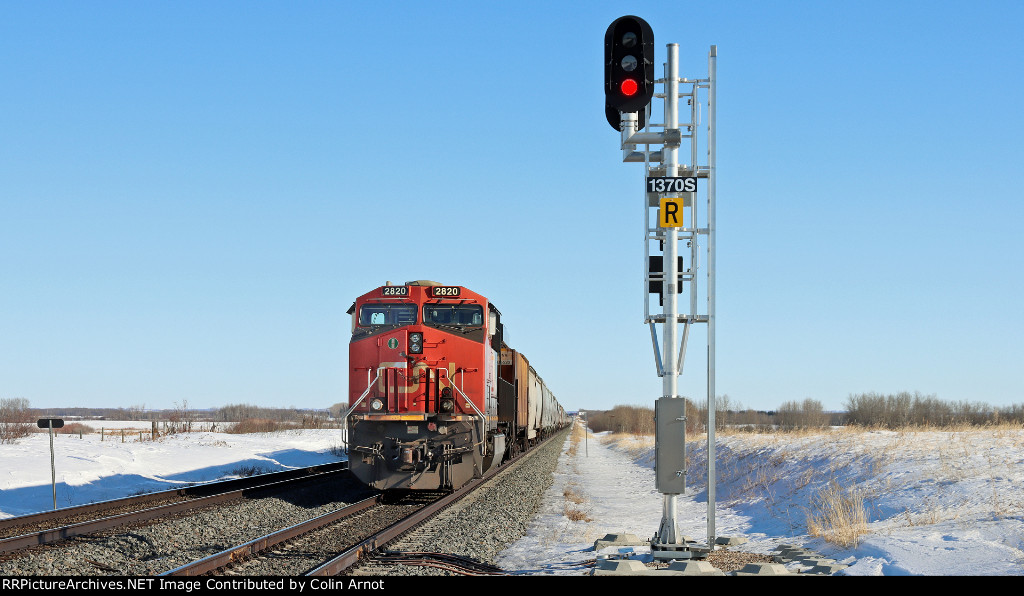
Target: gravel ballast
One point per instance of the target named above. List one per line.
(485, 523)
(154, 548)
(479, 527)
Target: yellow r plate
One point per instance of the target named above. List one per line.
(670, 215)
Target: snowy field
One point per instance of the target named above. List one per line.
(936, 503)
(90, 470)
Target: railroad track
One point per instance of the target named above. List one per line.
(463, 535)
(47, 524)
(298, 549)
(335, 543)
(333, 537)
(47, 535)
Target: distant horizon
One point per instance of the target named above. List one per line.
(740, 409)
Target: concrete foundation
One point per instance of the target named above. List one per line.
(623, 539)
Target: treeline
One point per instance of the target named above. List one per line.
(239, 412)
(900, 410)
(637, 420)
(228, 413)
(728, 414)
(906, 409)
(130, 413)
(17, 418)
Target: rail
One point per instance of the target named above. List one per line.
(244, 551)
(352, 556)
(189, 492)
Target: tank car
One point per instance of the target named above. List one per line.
(436, 397)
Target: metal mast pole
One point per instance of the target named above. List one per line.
(668, 532)
(712, 178)
(671, 190)
(53, 467)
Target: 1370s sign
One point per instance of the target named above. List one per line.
(671, 184)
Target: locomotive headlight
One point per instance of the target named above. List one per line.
(376, 404)
(447, 403)
(416, 342)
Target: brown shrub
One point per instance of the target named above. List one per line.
(75, 428)
(256, 425)
(575, 514)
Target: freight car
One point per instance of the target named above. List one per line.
(436, 397)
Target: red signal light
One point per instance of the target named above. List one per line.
(629, 87)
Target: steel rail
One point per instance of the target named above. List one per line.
(449, 562)
(353, 555)
(88, 527)
(253, 547)
(199, 490)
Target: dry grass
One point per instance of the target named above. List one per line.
(574, 507)
(838, 515)
(930, 514)
(572, 495)
(632, 444)
(576, 514)
(575, 438)
(829, 482)
(575, 502)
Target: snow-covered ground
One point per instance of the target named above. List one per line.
(936, 503)
(89, 469)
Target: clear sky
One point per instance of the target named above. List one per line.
(193, 193)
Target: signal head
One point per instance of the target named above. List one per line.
(628, 65)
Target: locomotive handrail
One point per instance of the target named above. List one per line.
(483, 420)
(344, 419)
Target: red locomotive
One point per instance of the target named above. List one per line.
(435, 396)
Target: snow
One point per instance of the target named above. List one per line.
(90, 470)
(936, 502)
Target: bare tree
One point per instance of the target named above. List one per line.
(15, 419)
(180, 419)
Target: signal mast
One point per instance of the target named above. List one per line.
(671, 215)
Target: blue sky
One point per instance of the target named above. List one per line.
(192, 195)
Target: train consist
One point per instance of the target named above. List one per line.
(436, 397)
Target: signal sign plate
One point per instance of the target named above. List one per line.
(671, 184)
(670, 215)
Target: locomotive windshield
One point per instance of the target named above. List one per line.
(460, 315)
(387, 314)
